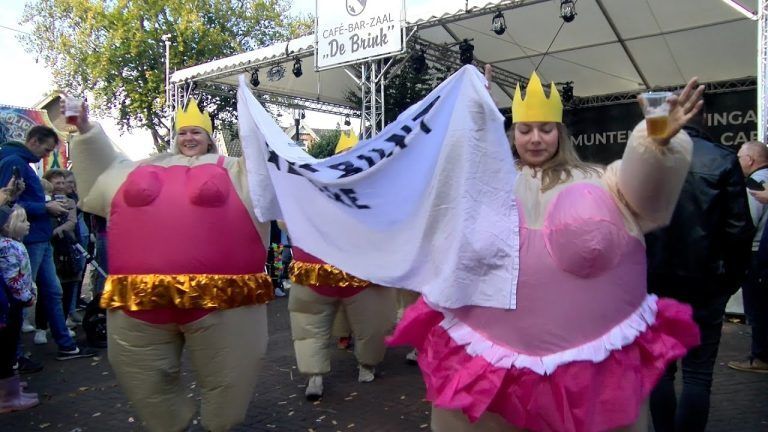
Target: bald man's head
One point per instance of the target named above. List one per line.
(752, 155)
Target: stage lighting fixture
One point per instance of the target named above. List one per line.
(347, 122)
(567, 10)
(255, 78)
(567, 92)
(466, 52)
(419, 62)
(498, 24)
(297, 72)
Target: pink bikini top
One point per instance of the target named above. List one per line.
(182, 220)
(581, 274)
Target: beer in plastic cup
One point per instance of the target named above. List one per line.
(73, 106)
(656, 112)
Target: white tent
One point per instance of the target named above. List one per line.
(612, 46)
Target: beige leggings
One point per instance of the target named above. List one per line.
(455, 421)
(371, 315)
(225, 348)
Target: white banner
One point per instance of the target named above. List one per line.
(352, 30)
(427, 205)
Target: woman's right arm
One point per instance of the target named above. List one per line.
(92, 153)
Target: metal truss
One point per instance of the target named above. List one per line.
(446, 56)
(626, 97)
(762, 71)
(273, 98)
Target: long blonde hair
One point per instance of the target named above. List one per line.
(560, 168)
(12, 227)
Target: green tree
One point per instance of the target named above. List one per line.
(113, 49)
(325, 146)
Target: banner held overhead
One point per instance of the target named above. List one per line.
(348, 31)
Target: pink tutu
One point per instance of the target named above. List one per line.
(576, 396)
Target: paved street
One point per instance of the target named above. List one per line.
(82, 395)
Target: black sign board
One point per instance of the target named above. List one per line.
(600, 134)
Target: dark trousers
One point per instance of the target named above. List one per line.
(9, 339)
(690, 412)
(755, 290)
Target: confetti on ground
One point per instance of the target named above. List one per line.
(44, 425)
(351, 425)
(96, 414)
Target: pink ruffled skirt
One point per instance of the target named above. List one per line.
(576, 396)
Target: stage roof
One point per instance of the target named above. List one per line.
(612, 46)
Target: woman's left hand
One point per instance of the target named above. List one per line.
(682, 108)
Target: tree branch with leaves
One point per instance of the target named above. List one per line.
(113, 50)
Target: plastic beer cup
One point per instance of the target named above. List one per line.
(73, 106)
(656, 112)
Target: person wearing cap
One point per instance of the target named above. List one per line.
(320, 293)
(186, 272)
(585, 344)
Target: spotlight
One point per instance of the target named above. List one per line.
(255, 78)
(567, 92)
(419, 62)
(466, 52)
(297, 72)
(567, 10)
(498, 24)
(303, 115)
(347, 122)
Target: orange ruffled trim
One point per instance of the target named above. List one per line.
(308, 274)
(188, 291)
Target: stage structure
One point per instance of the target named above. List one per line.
(610, 49)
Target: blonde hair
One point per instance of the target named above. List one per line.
(559, 169)
(212, 147)
(13, 227)
(47, 186)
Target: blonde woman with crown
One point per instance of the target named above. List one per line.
(186, 263)
(323, 296)
(586, 344)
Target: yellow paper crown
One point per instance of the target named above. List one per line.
(192, 116)
(536, 107)
(347, 140)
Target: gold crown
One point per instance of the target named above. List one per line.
(536, 107)
(192, 116)
(347, 140)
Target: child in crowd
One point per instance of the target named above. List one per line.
(18, 288)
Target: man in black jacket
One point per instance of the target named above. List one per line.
(701, 259)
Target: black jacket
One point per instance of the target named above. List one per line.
(705, 250)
